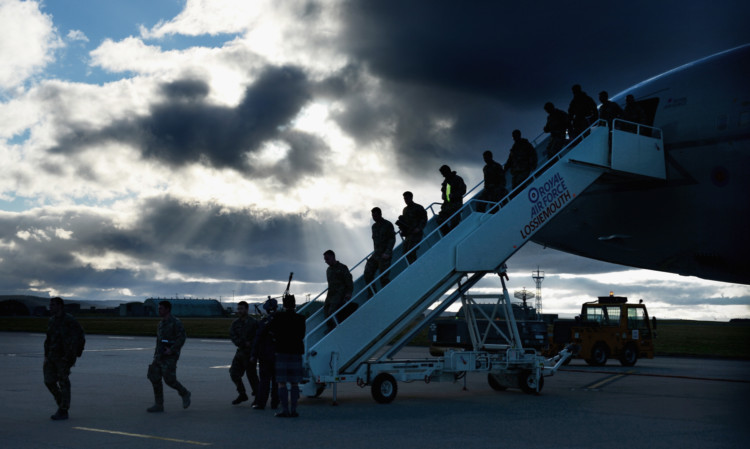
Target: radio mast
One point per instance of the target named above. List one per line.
(538, 277)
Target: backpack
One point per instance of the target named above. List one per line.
(79, 341)
(80, 344)
(460, 187)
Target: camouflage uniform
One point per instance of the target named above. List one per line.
(60, 352)
(340, 285)
(383, 239)
(494, 185)
(413, 219)
(170, 334)
(521, 161)
(242, 334)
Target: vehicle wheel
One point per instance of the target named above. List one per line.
(494, 384)
(599, 355)
(527, 383)
(629, 355)
(384, 388)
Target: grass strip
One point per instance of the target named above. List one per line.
(674, 337)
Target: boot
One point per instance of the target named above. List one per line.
(186, 399)
(241, 398)
(156, 408)
(283, 395)
(60, 415)
(294, 398)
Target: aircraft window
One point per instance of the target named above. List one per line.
(721, 122)
(744, 119)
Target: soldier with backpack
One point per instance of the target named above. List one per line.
(64, 344)
(522, 159)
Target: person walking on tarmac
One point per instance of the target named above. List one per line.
(582, 111)
(557, 125)
(411, 223)
(64, 343)
(383, 239)
(522, 159)
(452, 192)
(242, 333)
(264, 351)
(340, 287)
(170, 336)
(288, 330)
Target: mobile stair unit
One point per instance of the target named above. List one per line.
(357, 350)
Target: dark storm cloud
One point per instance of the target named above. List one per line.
(210, 241)
(182, 128)
(429, 125)
(198, 241)
(42, 259)
(185, 89)
(525, 50)
(490, 66)
(206, 241)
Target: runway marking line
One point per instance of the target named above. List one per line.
(85, 350)
(221, 366)
(607, 380)
(668, 376)
(139, 435)
(115, 349)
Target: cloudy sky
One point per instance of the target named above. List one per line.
(206, 148)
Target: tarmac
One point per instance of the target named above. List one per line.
(665, 402)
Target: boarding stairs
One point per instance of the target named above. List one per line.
(480, 244)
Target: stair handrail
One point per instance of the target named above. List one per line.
(470, 204)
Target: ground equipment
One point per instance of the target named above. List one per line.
(607, 328)
(362, 348)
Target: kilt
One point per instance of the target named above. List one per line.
(288, 368)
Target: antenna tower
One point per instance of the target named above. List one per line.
(538, 277)
(524, 295)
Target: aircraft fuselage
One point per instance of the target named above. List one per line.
(697, 221)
